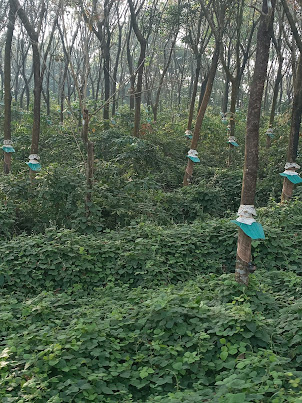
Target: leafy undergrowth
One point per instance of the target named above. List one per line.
(146, 255)
(205, 340)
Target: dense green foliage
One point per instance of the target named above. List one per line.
(135, 301)
(145, 254)
(136, 180)
(207, 339)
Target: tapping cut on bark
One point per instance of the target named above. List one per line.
(287, 190)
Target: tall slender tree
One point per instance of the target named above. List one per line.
(7, 147)
(39, 67)
(246, 211)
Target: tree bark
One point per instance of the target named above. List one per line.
(252, 136)
(292, 150)
(38, 70)
(140, 69)
(189, 169)
(89, 177)
(194, 92)
(274, 101)
(161, 80)
(7, 85)
(119, 48)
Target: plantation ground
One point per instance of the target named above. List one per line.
(137, 301)
(208, 339)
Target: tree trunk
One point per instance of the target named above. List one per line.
(292, 149)
(89, 177)
(225, 95)
(106, 70)
(140, 68)
(7, 88)
(203, 90)
(85, 127)
(37, 100)
(249, 181)
(161, 81)
(189, 169)
(234, 96)
(274, 101)
(194, 92)
(119, 48)
(138, 90)
(131, 71)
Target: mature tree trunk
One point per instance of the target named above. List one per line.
(203, 89)
(7, 85)
(274, 101)
(161, 81)
(131, 71)
(288, 187)
(25, 90)
(67, 54)
(106, 70)
(189, 169)
(140, 69)
(38, 71)
(117, 60)
(225, 100)
(243, 258)
(194, 92)
(292, 150)
(89, 177)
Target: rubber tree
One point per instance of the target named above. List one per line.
(67, 55)
(120, 24)
(244, 244)
(241, 49)
(98, 20)
(278, 79)
(142, 34)
(292, 149)
(278, 44)
(197, 36)
(39, 66)
(7, 85)
(80, 82)
(140, 68)
(216, 20)
(171, 40)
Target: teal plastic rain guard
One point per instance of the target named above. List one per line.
(290, 172)
(254, 230)
(292, 178)
(247, 223)
(33, 163)
(193, 156)
(8, 149)
(270, 133)
(232, 141)
(8, 146)
(189, 134)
